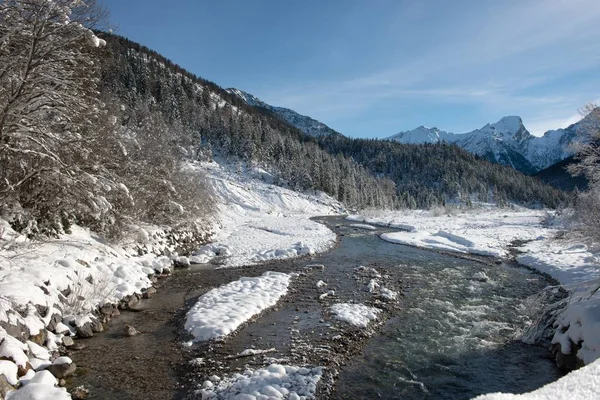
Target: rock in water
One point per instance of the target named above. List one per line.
(130, 331)
(85, 331)
(149, 292)
(67, 341)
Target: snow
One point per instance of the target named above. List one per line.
(35, 273)
(252, 352)
(582, 384)
(222, 310)
(62, 360)
(264, 222)
(388, 294)
(39, 391)
(363, 226)
(9, 370)
(355, 314)
(12, 349)
(273, 382)
(486, 231)
(44, 377)
(568, 262)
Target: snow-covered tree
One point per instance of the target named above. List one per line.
(588, 164)
(48, 108)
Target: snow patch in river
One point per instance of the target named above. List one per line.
(355, 314)
(273, 382)
(222, 310)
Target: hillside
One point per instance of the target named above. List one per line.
(304, 123)
(357, 172)
(558, 176)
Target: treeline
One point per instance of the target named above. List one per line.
(434, 174)
(100, 134)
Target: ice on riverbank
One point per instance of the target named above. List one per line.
(222, 310)
(273, 382)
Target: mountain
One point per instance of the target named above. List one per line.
(306, 124)
(558, 176)
(205, 120)
(508, 142)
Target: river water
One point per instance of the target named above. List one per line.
(456, 333)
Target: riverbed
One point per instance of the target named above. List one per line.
(453, 333)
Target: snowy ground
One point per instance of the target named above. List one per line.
(489, 231)
(485, 232)
(262, 221)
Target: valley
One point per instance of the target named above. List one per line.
(162, 237)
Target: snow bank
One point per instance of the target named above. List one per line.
(355, 314)
(567, 261)
(273, 382)
(264, 222)
(222, 310)
(583, 384)
(71, 276)
(575, 266)
(486, 231)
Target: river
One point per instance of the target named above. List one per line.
(454, 333)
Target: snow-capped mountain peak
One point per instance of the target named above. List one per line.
(509, 142)
(423, 134)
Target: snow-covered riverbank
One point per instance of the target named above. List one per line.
(261, 221)
(52, 290)
(489, 231)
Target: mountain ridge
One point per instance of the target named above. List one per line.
(306, 124)
(508, 142)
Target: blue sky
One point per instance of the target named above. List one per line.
(372, 68)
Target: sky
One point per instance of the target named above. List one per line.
(372, 68)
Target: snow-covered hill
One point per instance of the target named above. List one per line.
(508, 142)
(306, 124)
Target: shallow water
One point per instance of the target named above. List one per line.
(456, 334)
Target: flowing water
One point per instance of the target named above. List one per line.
(455, 335)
